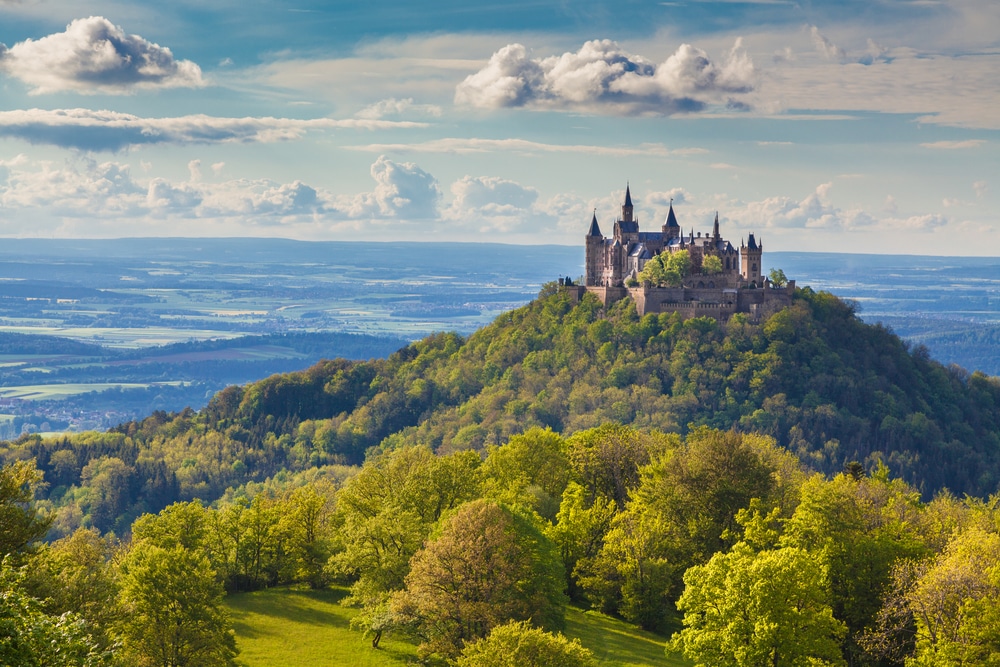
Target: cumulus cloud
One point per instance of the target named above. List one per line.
(494, 204)
(402, 190)
(672, 196)
(95, 56)
(981, 188)
(602, 77)
(825, 47)
(83, 189)
(395, 108)
(816, 211)
(90, 130)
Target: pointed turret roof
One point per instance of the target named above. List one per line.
(715, 229)
(594, 229)
(751, 242)
(628, 195)
(671, 218)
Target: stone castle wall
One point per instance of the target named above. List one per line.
(720, 303)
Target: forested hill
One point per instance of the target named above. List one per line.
(827, 386)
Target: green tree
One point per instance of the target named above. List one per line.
(75, 575)
(531, 469)
(777, 277)
(955, 600)
(517, 644)
(667, 269)
(711, 265)
(747, 609)
(172, 612)
(487, 566)
(21, 524)
(579, 531)
(31, 638)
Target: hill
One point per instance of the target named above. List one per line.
(825, 385)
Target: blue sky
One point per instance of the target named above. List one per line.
(864, 126)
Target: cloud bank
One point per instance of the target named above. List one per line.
(95, 56)
(89, 130)
(603, 78)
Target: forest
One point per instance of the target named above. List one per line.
(804, 490)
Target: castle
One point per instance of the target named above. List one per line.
(735, 283)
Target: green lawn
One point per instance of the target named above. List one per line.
(291, 626)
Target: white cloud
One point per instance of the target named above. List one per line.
(601, 77)
(402, 190)
(95, 56)
(825, 47)
(674, 195)
(395, 108)
(84, 190)
(955, 145)
(90, 130)
(463, 145)
(981, 188)
(816, 211)
(495, 204)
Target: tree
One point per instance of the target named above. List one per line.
(746, 609)
(486, 566)
(579, 531)
(711, 265)
(667, 269)
(31, 638)
(74, 575)
(955, 601)
(172, 609)
(531, 469)
(517, 644)
(20, 521)
(777, 278)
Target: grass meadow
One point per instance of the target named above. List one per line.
(286, 627)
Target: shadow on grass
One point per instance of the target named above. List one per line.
(312, 607)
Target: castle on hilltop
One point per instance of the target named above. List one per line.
(734, 283)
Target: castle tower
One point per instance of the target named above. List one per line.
(671, 230)
(627, 227)
(595, 253)
(751, 267)
(716, 236)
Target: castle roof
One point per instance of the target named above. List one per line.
(641, 251)
(594, 229)
(628, 196)
(671, 220)
(751, 242)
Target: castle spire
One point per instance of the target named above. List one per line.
(715, 229)
(627, 208)
(595, 230)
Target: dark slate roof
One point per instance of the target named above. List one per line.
(628, 196)
(651, 237)
(671, 218)
(628, 227)
(751, 242)
(594, 229)
(641, 251)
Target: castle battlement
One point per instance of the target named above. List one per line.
(736, 284)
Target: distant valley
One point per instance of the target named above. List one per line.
(93, 333)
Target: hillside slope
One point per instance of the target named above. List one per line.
(827, 386)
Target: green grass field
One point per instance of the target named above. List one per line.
(292, 626)
(55, 392)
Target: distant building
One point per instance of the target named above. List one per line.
(613, 265)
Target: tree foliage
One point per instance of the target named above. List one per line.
(487, 565)
(518, 644)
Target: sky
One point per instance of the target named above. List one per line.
(866, 126)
